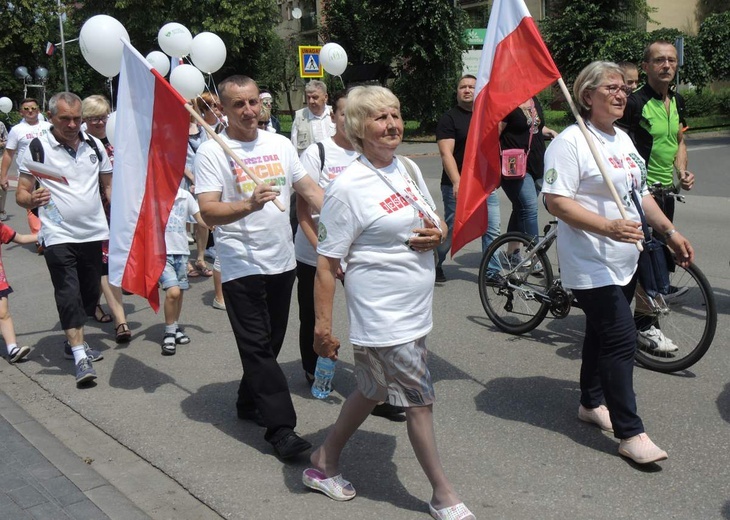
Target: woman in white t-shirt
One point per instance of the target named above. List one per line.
(598, 254)
(379, 217)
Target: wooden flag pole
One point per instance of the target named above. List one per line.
(230, 153)
(596, 155)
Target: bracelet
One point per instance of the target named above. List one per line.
(669, 233)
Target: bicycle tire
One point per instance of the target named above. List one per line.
(514, 311)
(690, 322)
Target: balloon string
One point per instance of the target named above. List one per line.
(341, 81)
(111, 92)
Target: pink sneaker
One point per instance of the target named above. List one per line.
(598, 416)
(641, 449)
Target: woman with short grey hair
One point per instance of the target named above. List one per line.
(598, 253)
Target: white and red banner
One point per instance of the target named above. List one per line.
(150, 146)
(515, 65)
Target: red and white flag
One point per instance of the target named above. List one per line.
(50, 48)
(515, 65)
(150, 147)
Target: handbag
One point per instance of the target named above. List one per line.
(514, 160)
(653, 269)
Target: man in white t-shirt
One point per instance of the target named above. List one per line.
(73, 220)
(256, 252)
(19, 138)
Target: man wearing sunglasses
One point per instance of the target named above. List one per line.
(19, 138)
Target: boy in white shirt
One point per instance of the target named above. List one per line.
(174, 279)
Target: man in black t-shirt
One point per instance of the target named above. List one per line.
(451, 133)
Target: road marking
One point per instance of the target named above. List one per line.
(706, 147)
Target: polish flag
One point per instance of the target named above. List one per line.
(515, 65)
(150, 147)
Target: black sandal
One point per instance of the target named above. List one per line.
(104, 318)
(124, 335)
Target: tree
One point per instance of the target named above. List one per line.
(576, 32)
(714, 40)
(27, 25)
(420, 40)
(707, 7)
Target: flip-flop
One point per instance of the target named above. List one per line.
(457, 512)
(333, 487)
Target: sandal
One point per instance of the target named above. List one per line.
(124, 335)
(104, 318)
(181, 338)
(192, 272)
(333, 487)
(202, 269)
(457, 512)
(168, 344)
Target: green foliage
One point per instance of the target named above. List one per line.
(420, 39)
(578, 32)
(707, 7)
(26, 26)
(714, 42)
(701, 103)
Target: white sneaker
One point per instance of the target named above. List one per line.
(655, 339)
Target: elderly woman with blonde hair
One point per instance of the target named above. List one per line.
(379, 217)
(95, 112)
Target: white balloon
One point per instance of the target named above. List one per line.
(333, 58)
(110, 127)
(187, 80)
(101, 44)
(160, 61)
(175, 39)
(208, 52)
(6, 105)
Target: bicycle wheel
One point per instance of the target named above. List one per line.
(514, 299)
(689, 320)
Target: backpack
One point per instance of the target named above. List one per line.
(38, 155)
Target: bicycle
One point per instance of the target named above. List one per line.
(518, 290)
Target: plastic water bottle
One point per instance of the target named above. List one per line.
(323, 375)
(52, 212)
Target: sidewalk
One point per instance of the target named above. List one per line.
(40, 478)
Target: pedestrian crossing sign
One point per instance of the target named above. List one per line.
(309, 65)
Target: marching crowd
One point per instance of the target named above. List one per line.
(363, 217)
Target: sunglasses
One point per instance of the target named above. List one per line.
(29, 109)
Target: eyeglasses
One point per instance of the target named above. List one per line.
(97, 120)
(29, 109)
(613, 90)
(660, 61)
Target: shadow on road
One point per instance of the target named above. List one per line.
(723, 404)
(543, 402)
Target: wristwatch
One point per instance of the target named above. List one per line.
(669, 233)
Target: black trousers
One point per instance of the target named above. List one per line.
(607, 370)
(76, 276)
(258, 309)
(305, 296)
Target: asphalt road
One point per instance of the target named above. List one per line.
(505, 413)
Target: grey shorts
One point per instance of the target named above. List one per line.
(397, 374)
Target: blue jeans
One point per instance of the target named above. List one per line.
(493, 221)
(523, 195)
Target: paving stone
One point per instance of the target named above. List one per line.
(48, 511)
(85, 510)
(27, 497)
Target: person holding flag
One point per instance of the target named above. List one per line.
(598, 255)
(256, 251)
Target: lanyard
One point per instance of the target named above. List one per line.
(412, 194)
